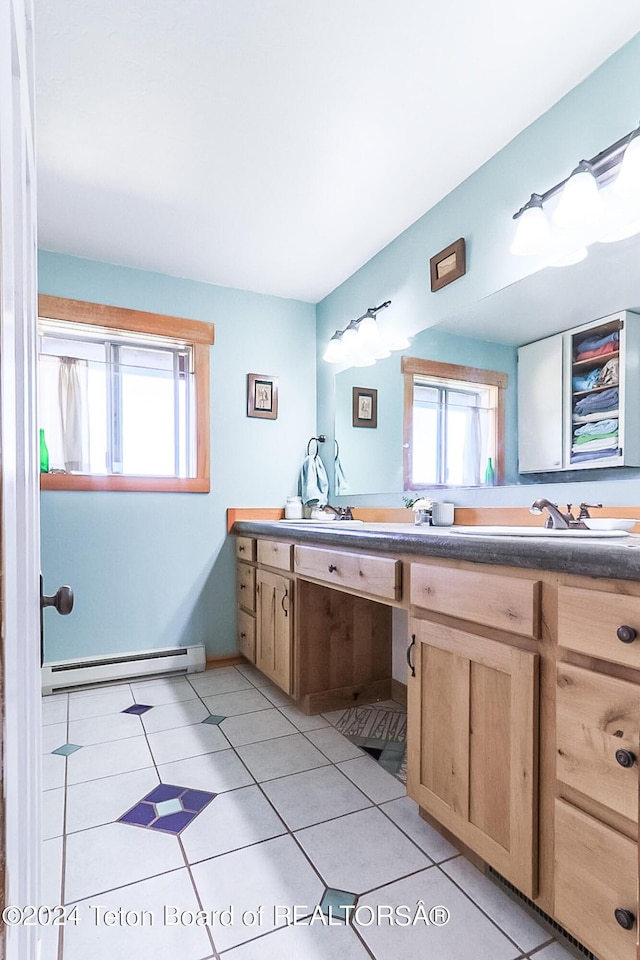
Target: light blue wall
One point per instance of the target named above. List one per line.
(596, 113)
(152, 570)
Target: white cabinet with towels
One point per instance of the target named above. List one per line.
(579, 397)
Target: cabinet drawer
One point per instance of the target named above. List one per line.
(246, 586)
(595, 876)
(598, 720)
(275, 553)
(589, 621)
(507, 603)
(245, 548)
(247, 635)
(378, 576)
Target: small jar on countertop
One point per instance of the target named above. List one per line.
(293, 508)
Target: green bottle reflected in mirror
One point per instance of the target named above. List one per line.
(44, 454)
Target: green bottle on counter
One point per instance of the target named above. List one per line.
(44, 454)
(489, 474)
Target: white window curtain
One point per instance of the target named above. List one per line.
(63, 399)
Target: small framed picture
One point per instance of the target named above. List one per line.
(448, 265)
(365, 407)
(262, 396)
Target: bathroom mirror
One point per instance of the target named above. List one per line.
(487, 334)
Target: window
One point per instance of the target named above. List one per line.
(123, 398)
(453, 423)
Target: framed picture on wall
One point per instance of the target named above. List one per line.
(448, 265)
(262, 396)
(365, 407)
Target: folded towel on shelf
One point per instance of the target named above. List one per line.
(609, 374)
(598, 443)
(592, 417)
(596, 343)
(313, 483)
(602, 401)
(597, 428)
(583, 456)
(587, 382)
(602, 351)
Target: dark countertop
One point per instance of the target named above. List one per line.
(615, 558)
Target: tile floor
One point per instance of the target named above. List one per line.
(214, 799)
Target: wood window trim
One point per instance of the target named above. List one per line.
(412, 366)
(197, 332)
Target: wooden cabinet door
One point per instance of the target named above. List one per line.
(274, 627)
(472, 744)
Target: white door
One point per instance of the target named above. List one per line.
(19, 482)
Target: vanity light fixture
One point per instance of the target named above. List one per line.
(361, 343)
(598, 202)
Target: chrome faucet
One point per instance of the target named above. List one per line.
(555, 519)
(342, 513)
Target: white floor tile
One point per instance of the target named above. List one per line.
(172, 715)
(256, 727)
(157, 942)
(114, 855)
(377, 851)
(277, 696)
(467, 934)
(113, 726)
(301, 720)
(54, 710)
(280, 757)
(53, 736)
(213, 682)
(53, 771)
(231, 821)
(157, 692)
(269, 874)
(216, 772)
(52, 813)
(373, 779)
(52, 872)
(184, 742)
(314, 796)
(404, 812)
(236, 703)
(98, 703)
(96, 802)
(108, 759)
(257, 678)
(334, 745)
(306, 942)
(509, 915)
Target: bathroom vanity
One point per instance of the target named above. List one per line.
(523, 688)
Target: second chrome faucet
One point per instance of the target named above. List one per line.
(556, 520)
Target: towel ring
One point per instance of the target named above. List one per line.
(318, 440)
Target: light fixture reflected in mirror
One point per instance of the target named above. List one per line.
(362, 342)
(598, 202)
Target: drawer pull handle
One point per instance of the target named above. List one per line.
(625, 918)
(243, 586)
(241, 549)
(626, 634)
(242, 635)
(332, 568)
(625, 758)
(411, 666)
(285, 609)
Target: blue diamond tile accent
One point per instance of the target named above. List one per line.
(138, 709)
(66, 749)
(334, 901)
(168, 808)
(214, 718)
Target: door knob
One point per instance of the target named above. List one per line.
(626, 634)
(62, 600)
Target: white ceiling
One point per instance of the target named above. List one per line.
(277, 145)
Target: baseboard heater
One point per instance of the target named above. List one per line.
(64, 674)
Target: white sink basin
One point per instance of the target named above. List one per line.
(538, 532)
(325, 524)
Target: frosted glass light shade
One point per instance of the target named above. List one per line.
(370, 335)
(335, 352)
(533, 233)
(627, 183)
(580, 203)
(621, 232)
